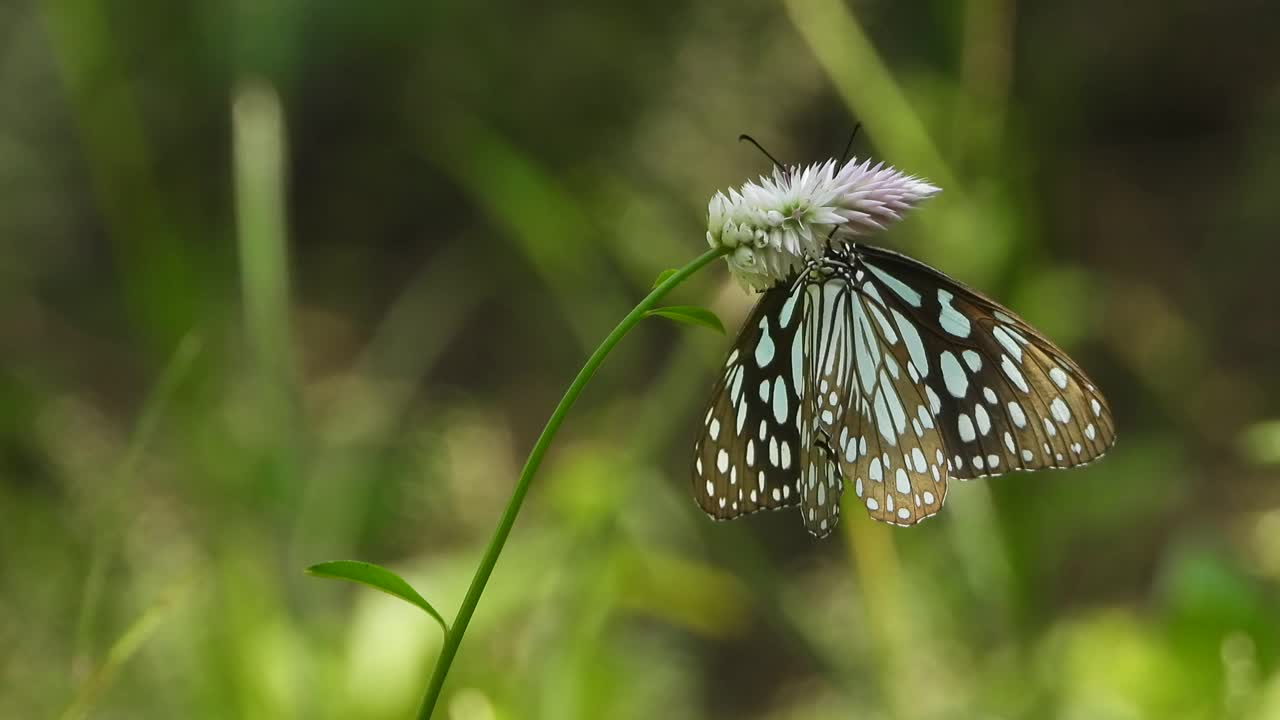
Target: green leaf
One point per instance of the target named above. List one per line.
(662, 276)
(691, 315)
(378, 577)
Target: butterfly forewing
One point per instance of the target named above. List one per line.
(747, 454)
(1003, 396)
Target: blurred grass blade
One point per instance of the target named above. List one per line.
(162, 290)
(378, 577)
(690, 315)
(153, 409)
(662, 276)
(120, 652)
(258, 125)
(260, 197)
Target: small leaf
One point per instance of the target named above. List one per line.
(378, 577)
(663, 276)
(691, 315)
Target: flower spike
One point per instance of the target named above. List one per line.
(775, 224)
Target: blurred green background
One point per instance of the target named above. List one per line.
(284, 282)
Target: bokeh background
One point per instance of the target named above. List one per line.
(284, 282)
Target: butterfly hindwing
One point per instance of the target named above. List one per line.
(903, 470)
(870, 415)
(823, 358)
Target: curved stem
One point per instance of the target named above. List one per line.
(453, 638)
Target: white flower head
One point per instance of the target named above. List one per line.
(775, 224)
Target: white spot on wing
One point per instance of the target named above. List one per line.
(951, 320)
(1007, 343)
(917, 458)
(1060, 411)
(764, 346)
(903, 481)
(780, 402)
(1058, 377)
(911, 338)
(1013, 373)
(983, 420)
(909, 296)
(953, 375)
(890, 335)
(872, 293)
(935, 403)
(788, 307)
(797, 362)
(1016, 414)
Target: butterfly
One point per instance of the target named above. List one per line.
(871, 369)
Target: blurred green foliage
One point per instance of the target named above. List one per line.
(284, 282)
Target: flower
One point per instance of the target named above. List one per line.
(774, 225)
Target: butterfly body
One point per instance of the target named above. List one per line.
(868, 369)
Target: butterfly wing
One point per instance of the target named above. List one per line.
(747, 455)
(870, 411)
(1002, 395)
(824, 359)
(875, 369)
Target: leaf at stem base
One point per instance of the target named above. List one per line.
(662, 276)
(377, 577)
(690, 315)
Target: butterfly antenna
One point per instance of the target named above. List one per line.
(843, 157)
(772, 159)
(849, 145)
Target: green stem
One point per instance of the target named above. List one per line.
(453, 638)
